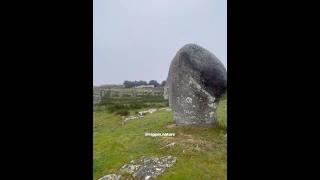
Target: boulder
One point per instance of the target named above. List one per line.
(196, 80)
(148, 167)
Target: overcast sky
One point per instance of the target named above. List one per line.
(137, 39)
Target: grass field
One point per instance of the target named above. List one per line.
(122, 105)
(201, 151)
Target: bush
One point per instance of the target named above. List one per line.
(116, 107)
(122, 112)
(136, 106)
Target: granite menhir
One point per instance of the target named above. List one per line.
(196, 81)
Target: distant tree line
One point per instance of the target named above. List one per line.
(130, 84)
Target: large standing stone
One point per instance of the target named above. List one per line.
(195, 82)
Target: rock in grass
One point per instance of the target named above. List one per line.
(196, 81)
(111, 177)
(148, 167)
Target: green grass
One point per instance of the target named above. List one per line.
(116, 144)
(121, 105)
(222, 113)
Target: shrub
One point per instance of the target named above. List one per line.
(135, 105)
(122, 112)
(116, 107)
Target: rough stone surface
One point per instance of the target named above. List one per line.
(165, 92)
(148, 167)
(195, 82)
(111, 177)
